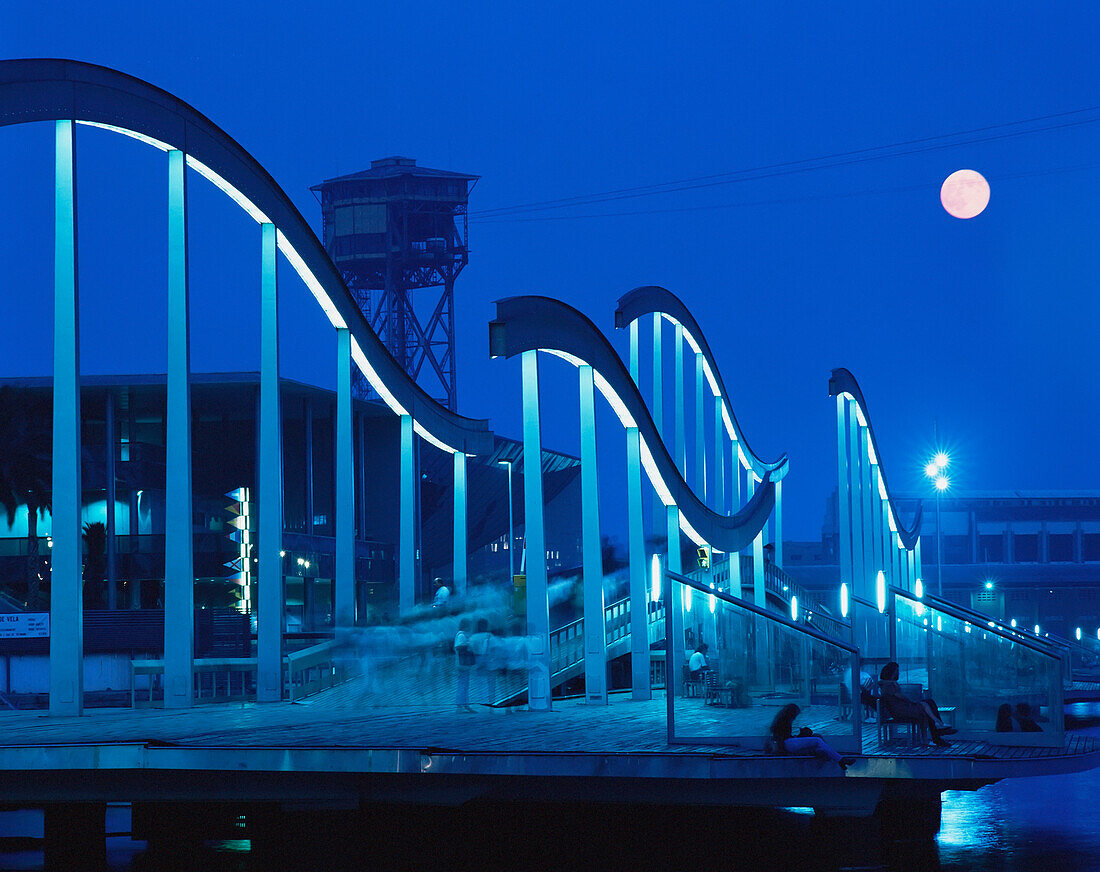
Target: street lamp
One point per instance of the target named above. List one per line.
(511, 531)
(935, 470)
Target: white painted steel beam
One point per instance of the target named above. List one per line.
(66, 594)
(179, 573)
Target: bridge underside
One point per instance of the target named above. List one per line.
(335, 751)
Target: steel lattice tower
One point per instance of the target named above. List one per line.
(393, 230)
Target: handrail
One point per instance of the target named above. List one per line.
(533, 323)
(764, 613)
(653, 299)
(50, 89)
(842, 382)
(960, 615)
(988, 622)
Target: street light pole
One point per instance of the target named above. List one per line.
(939, 548)
(935, 469)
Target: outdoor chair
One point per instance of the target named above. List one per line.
(693, 687)
(887, 723)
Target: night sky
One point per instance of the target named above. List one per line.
(986, 326)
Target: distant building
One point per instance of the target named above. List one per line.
(1028, 556)
(128, 413)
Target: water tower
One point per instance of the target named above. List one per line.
(397, 231)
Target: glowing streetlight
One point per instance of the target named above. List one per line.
(934, 470)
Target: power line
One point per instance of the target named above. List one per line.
(797, 166)
(903, 189)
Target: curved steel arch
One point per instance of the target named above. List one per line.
(44, 89)
(841, 382)
(653, 299)
(532, 323)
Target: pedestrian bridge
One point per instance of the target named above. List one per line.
(370, 714)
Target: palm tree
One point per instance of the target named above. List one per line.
(26, 467)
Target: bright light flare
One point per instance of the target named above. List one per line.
(931, 470)
(794, 608)
(941, 459)
(880, 591)
(942, 483)
(844, 599)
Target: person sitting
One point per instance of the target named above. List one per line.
(442, 594)
(1025, 719)
(1004, 719)
(924, 712)
(697, 663)
(805, 743)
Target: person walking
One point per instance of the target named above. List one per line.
(464, 662)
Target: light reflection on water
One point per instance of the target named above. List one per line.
(1024, 824)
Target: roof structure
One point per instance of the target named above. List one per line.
(392, 167)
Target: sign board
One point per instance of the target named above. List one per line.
(519, 594)
(25, 625)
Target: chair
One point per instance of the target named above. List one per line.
(887, 722)
(711, 695)
(693, 687)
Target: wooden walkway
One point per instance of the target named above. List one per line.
(341, 748)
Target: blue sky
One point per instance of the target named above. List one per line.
(984, 325)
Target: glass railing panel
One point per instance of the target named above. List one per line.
(757, 663)
(870, 632)
(976, 670)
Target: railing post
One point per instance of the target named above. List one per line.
(66, 595)
(179, 575)
(345, 485)
(406, 561)
(658, 410)
(271, 599)
(459, 550)
(539, 692)
(857, 582)
(595, 637)
(700, 434)
(639, 602)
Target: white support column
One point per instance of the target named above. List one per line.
(843, 493)
(658, 410)
(639, 601)
(700, 434)
(679, 445)
(461, 564)
(634, 353)
(858, 582)
(674, 594)
(538, 606)
(868, 494)
(777, 524)
(759, 592)
(917, 568)
(595, 645)
(179, 575)
(406, 562)
(66, 594)
(345, 486)
(719, 458)
(735, 507)
(271, 598)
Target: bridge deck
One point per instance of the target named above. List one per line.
(339, 732)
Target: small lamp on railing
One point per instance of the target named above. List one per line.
(655, 579)
(844, 599)
(880, 591)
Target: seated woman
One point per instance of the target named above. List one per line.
(901, 708)
(805, 745)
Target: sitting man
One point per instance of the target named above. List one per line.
(697, 663)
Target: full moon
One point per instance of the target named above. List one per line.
(965, 193)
